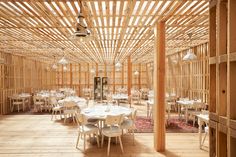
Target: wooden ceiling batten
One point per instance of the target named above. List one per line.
(121, 28)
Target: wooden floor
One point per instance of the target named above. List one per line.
(37, 135)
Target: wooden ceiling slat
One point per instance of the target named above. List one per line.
(122, 28)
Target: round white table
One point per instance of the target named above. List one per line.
(101, 111)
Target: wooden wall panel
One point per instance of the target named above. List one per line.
(20, 74)
(189, 79)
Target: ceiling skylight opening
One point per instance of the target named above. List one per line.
(50, 8)
(136, 7)
(105, 21)
(150, 7)
(77, 6)
(143, 7)
(117, 7)
(131, 20)
(71, 8)
(99, 21)
(57, 8)
(9, 8)
(157, 7)
(62, 22)
(110, 31)
(15, 7)
(125, 8)
(111, 19)
(147, 21)
(24, 8)
(132, 29)
(116, 22)
(188, 7)
(46, 22)
(10, 22)
(136, 21)
(164, 7)
(111, 7)
(119, 30)
(68, 23)
(104, 7)
(36, 23)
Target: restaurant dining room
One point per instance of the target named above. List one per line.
(119, 78)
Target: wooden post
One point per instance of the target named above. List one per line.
(129, 84)
(79, 78)
(159, 87)
(122, 75)
(62, 76)
(105, 69)
(96, 69)
(71, 80)
(88, 73)
(113, 77)
(139, 76)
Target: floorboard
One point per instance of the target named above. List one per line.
(38, 136)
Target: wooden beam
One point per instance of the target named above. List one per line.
(129, 84)
(159, 87)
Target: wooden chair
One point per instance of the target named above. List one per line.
(112, 129)
(135, 97)
(129, 123)
(17, 101)
(55, 107)
(39, 103)
(69, 110)
(85, 128)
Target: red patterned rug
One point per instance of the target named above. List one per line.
(145, 125)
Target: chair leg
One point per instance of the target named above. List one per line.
(84, 141)
(102, 140)
(108, 147)
(133, 135)
(97, 139)
(121, 146)
(18, 107)
(77, 140)
(52, 115)
(65, 117)
(204, 138)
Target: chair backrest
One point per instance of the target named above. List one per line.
(80, 119)
(53, 101)
(70, 105)
(38, 98)
(16, 99)
(114, 120)
(134, 114)
(206, 112)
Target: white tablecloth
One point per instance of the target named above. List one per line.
(101, 111)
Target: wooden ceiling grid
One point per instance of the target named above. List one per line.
(42, 29)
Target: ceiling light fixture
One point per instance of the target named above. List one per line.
(82, 33)
(54, 66)
(63, 60)
(64, 68)
(190, 54)
(136, 72)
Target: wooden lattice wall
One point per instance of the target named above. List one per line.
(20, 74)
(79, 76)
(189, 78)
